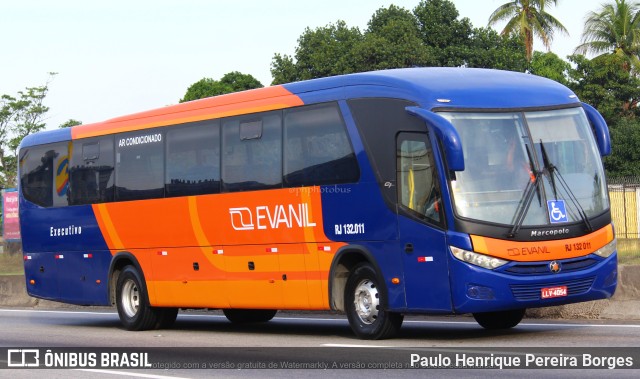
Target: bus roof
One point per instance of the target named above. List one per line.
(429, 87)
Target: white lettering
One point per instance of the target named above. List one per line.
(275, 217)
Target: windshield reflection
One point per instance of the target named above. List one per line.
(503, 156)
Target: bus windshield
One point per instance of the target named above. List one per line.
(505, 153)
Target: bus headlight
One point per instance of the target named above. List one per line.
(474, 258)
(608, 249)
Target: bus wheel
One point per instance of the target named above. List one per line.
(133, 304)
(244, 316)
(166, 317)
(500, 319)
(364, 304)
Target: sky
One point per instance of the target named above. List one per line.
(118, 57)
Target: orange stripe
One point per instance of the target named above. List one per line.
(259, 100)
(106, 226)
(543, 250)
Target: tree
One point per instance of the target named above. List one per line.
(392, 40)
(614, 29)
(324, 51)
(603, 83)
(528, 19)
(231, 82)
(431, 35)
(19, 117)
(488, 49)
(625, 149)
(549, 65)
(69, 123)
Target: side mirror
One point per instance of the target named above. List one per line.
(449, 136)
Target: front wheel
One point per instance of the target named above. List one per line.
(499, 320)
(365, 301)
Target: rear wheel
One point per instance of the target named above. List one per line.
(132, 302)
(364, 302)
(499, 320)
(244, 316)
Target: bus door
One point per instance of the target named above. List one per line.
(421, 225)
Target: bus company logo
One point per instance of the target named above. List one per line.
(533, 250)
(275, 217)
(23, 358)
(555, 267)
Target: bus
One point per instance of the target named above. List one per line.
(378, 195)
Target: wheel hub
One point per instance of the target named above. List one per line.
(367, 301)
(130, 298)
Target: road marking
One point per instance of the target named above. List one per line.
(129, 374)
(340, 320)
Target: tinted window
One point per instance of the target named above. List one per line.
(418, 190)
(44, 174)
(379, 121)
(252, 152)
(317, 147)
(139, 165)
(193, 159)
(91, 175)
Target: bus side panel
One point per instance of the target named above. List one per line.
(80, 276)
(83, 277)
(41, 269)
(188, 276)
(67, 228)
(243, 250)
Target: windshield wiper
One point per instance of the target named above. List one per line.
(523, 207)
(553, 172)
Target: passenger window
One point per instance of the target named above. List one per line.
(317, 147)
(91, 175)
(45, 174)
(140, 165)
(418, 189)
(252, 152)
(193, 159)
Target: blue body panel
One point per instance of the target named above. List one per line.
(496, 291)
(431, 279)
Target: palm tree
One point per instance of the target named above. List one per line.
(528, 18)
(614, 29)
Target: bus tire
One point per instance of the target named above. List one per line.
(500, 319)
(365, 305)
(245, 316)
(132, 302)
(166, 318)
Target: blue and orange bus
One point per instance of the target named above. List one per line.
(380, 194)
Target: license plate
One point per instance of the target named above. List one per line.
(551, 292)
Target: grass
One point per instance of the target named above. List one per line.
(11, 264)
(629, 251)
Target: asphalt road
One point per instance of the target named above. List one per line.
(315, 342)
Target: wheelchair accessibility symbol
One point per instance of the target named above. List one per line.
(557, 211)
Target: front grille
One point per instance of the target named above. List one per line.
(537, 268)
(527, 292)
